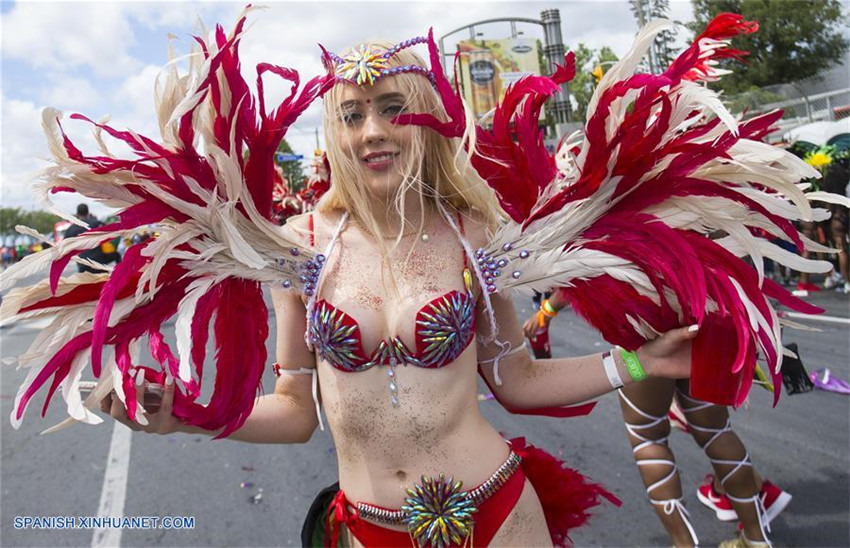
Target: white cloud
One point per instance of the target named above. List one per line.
(61, 37)
(71, 93)
(135, 95)
(22, 145)
(24, 153)
(157, 15)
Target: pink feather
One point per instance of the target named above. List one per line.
(124, 273)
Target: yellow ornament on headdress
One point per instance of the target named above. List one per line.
(369, 63)
(363, 65)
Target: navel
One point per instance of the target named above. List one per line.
(401, 475)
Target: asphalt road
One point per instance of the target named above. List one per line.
(254, 495)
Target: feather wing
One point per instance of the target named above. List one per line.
(625, 228)
(207, 186)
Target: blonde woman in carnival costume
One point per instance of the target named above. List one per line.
(407, 261)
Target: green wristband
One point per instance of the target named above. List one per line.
(633, 366)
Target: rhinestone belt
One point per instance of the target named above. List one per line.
(471, 498)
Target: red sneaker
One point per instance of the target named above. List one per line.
(714, 500)
(807, 286)
(677, 417)
(774, 500)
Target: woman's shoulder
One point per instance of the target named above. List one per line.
(296, 229)
(318, 224)
(476, 228)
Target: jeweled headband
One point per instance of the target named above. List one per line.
(369, 63)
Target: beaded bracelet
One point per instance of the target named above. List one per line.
(541, 318)
(547, 309)
(633, 365)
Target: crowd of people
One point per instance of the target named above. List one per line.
(12, 251)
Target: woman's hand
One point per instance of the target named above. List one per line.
(669, 355)
(159, 417)
(532, 326)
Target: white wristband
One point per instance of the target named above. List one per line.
(611, 370)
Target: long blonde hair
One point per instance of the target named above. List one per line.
(437, 167)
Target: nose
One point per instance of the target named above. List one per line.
(375, 127)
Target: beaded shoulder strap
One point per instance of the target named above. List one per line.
(311, 297)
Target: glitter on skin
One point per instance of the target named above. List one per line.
(366, 427)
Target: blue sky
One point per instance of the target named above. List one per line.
(100, 58)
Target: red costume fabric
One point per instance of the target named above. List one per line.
(565, 494)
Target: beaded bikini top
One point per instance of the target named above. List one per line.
(444, 328)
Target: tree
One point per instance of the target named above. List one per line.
(10, 217)
(795, 40)
(582, 86)
(662, 51)
(42, 221)
(663, 45)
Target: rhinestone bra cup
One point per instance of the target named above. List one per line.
(444, 328)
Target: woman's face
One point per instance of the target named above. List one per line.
(379, 147)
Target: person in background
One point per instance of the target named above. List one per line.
(7, 256)
(736, 492)
(539, 340)
(836, 181)
(95, 254)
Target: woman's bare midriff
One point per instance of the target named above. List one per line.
(437, 427)
(382, 451)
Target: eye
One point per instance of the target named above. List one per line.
(393, 110)
(351, 117)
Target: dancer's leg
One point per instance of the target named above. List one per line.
(645, 407)
(839, 239)
(734, 473)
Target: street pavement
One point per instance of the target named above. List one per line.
(256, 495)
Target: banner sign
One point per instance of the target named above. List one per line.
(487, 67)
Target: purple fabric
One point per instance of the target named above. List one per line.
(825, 380)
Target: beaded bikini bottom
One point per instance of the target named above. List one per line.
(436, 512)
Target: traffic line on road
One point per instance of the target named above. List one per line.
(114, 491)
(817, 318)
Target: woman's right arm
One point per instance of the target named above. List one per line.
(286, 416)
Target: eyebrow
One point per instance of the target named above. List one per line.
(382, 97)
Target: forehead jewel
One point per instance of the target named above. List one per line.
(368, 63)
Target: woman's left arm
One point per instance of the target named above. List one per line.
(528, 383)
